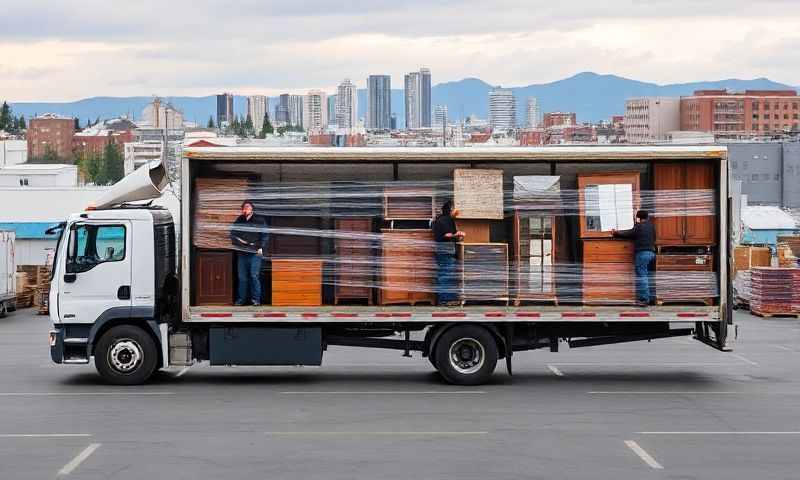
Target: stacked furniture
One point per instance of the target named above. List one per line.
(536, 201)
(408, 202)
(408, 267)
(354, 260)
(775, 291)
(484, 271)
(685, 232)
(607, 201)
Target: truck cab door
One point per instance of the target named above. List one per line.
(97, 271)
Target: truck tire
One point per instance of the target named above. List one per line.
(466, 355)
(3, 309)
(126, 355)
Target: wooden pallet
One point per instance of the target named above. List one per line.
(775, 314)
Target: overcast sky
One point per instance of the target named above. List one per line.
(66, 50)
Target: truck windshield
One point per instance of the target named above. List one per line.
(58, 229)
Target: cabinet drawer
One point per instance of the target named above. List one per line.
(608, 251)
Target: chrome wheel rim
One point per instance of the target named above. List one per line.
(467, 355)
(125, 356)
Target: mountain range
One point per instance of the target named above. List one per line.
(591, 96)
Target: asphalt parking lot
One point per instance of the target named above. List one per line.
(668, 409)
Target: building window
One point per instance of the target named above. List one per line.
(786, 116)
(755, 126)
(755, 105)
(786, 106)
(744, 165)
(734, 164)
(766, 106)
(794, 116)
(776, 117)
(23, 182)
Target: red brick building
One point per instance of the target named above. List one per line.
(754, 112)
(50, 133)
(94, 139)
(553, 119)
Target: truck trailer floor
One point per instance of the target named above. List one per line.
(672, 409)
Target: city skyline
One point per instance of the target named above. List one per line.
(76, 47)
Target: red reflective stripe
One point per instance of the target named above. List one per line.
(343, 315)
(691, 314)
(578, 314)
(270, 315)
(448, 314)
(494, 314)
(309, 315)
(634, 314)
(529, 314)
(216, 315)
(392, 314)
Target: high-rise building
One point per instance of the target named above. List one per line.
(440, 116)
(533, 115)
(224, 109)
(257, 108)
(418, 99)
(315, 111)
(753, 112)
(346, 105)
(332, 110)
(50, 135)
(379, 102)
(649, 119)
(296, 110)
(502, 109)
(159, 114)
(282, 109)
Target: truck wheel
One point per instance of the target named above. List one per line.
(466, 355)
(126, 355)
(3, 309)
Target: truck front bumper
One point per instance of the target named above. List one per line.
(66, 347)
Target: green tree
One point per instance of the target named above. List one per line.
(249, 129)
(210, 123)
(5, 117)
(21, 124)
(113, 168)
(89, 164)
(266, 128)
(234, 126)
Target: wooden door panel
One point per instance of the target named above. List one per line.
(669, 198)
(701, 230)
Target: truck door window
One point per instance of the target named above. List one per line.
(91, 245)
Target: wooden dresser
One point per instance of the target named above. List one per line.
(213, 277)
(288, 245)
(407, 268)
(608, 272)
(296, 282)
(484, 271)
(354, 260)
(685, 278)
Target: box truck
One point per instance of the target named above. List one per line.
(343, 254)
(8, 270)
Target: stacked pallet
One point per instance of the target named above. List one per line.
(786, 257)
(25, 291)
(218, 204)
(775, 291)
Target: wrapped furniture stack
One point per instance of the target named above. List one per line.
(775, 291)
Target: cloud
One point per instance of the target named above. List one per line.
(183, 47)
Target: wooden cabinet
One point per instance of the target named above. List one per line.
(608, 273)
(685, 278)
(354, 260)
(484, 271)
(607, 201)
(296, 282)
(534, 253)
(407, 268)
(408, 202)
(213, 277)
(683, 193)
(295, 236)
(475, 231)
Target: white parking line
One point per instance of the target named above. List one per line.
(646, 457)
(695, 392)
(719, 433)
(649, 364)
(783, 347)
(744, 359)
(377, 434)
(81, 394)
(44, 435)
(75, 463)
(386, 392)
(555, 371)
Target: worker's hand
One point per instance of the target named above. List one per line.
(460, 234)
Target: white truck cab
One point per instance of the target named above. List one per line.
(111, 276)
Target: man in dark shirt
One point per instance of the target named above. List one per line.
(249, 237)
(643, 235)
(445, 234)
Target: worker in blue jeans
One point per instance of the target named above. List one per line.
(445, 234)
(250, 238)
(643, 235)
